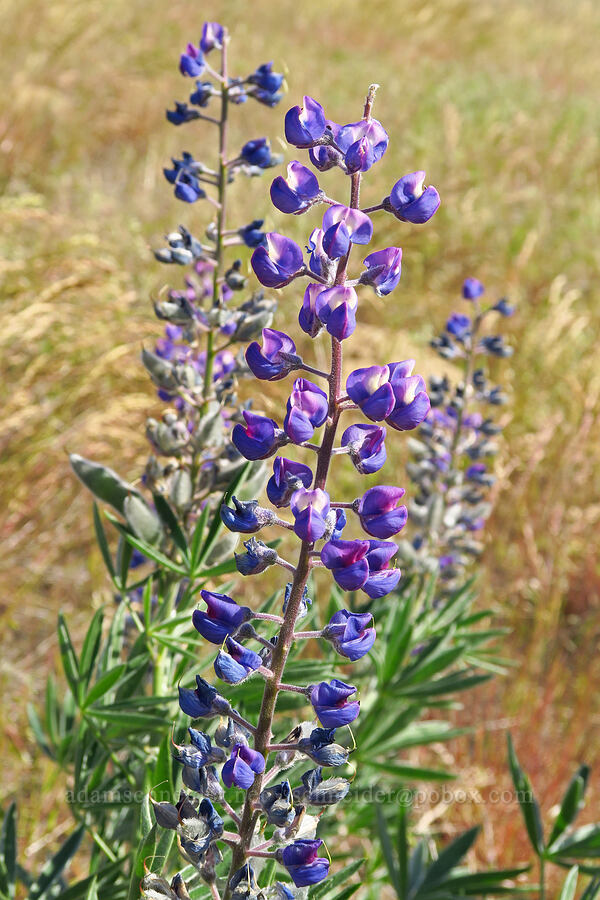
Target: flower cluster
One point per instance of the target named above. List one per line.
(386, 395)
(454, 445)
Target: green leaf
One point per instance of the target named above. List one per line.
(103, 482)
(450, 857)
(55, 866)
(146, 848)
(388, 851)
(92, 893)
(149, 551)
(570, 885)
(102, 541)
(216, 524)
(529, 805)
(8, 848)
(91, 646)
(571, 803)
(334, 881)
(104, 684)
(404, 771)
(593, 889)
(69, 657)
(196, 542)
(169, 520)
(581, 843)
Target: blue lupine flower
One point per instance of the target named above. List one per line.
(379, 512)
(363, 144)
(459, 325)
(336, 308)
(383, 270)
(346, 560)
(184, 175)
(222, 618)
(246, 516)
(251, 234)
(201, 96)
(336, 241)
(303, 863)
(358, 224)
(331, 705)
(305, 602)
(307, 317)
(382, 579)
(202, 753)
(472, 289)
(268, 84)
(411, 401)
(410, 201)
(203, 701)
(307, 409)
(256, 559)
(305, 125)
(181, 114)
(258, 153)
(260, 438)
(288, 476)
(504, 307)
(341, 520)
(242, 767)
(366, 447)
(351, 634)
(198, 828)
(316, 792)
(277, 803)
(372, 392)
(191, 61)
(212, 37)
(296, 193)
(273, 361)
(320, 263)
(280, 261)
(237, 663)
(321, 747)
(310, 509)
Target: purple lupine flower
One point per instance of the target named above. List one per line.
(321, 747)
(383, 270)
(341, 520)
(324, 156)
(472, 289)
(280, 261)
(504, 307)
(366, 447)
(288, 476)
(358, 224)
(411, 401)
(372, 392)
(202, 753)
(307, 409)
(273, 361)
(191, 61)
(266, 79)
(305, 125)
(459, 325)
(478, 473)
(336, 308)
(222, 618)
(336, 241)
(363, 144)
(257, 153)
(347, 561)
(350, 633)
(379, 512)
(310, 509)
(260, 438)
(296, 193)
(212, 37)
(246, 517)
(409, 201)
(242, 767)
(307, 317)
(203, 701)
(236, 663)
(319, 262)
(302, 862)
(382, 579)
(331, 705)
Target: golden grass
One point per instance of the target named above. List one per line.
(497, 101)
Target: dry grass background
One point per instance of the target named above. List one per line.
(498, 102)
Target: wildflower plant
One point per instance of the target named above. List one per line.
(273, 822)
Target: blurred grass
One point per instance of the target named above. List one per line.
(498, 102)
